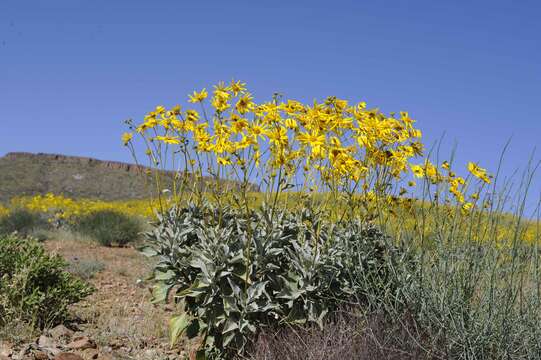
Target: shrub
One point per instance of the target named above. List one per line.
(346, 334)
(34, 287)
(22, 221)
(477, 302)
(109, 227)
(237, 275)
(85, 269)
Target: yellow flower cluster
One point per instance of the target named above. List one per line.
(331, 146)
(60, 207)
(337, 140)
(3, 210)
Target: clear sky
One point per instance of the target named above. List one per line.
(72, 70)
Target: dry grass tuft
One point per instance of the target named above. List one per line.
(344, 336)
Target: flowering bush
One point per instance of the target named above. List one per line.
(348, 164)
(238, 275)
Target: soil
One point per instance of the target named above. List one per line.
(118, 321)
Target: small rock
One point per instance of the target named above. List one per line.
(106, 357)
(150, 353)
(82, 343)
(115, 344)
(46, 342)
(40, 355)
(91, 354)
(23, 351)
(61, 332)
(67, 356)
(5, 350)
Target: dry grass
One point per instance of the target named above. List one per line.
(119, 316)
(345, 336)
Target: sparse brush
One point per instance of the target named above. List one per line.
(84, 269)
(22, 221)
(109, 227)
(345, 335)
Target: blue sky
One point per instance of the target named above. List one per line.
(71, 70)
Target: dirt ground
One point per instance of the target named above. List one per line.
(119, 316)
(118, 320)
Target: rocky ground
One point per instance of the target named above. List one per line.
(118, 321)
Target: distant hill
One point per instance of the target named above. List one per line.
(73, 176)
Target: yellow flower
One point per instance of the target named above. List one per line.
(313, 139)
(257, 157)
(478, 172)
(244, 104)
(245, 142)
(467, 206)
(238, 125)
(168, 139)
(291, 124)
(175, 111)
(237, 86)
(418, 171)
(223, 160)
(192, 115)
(278, 136)
(198, 96)
(445, 165)
(220, 103)
(257, 130)
(126, 138)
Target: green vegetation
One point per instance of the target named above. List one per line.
(456, 274)
(22, 221)
(109, 227)
(85, 269)
(34, 287)
(238, 275)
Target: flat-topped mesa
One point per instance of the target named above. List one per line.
(24, 173)
(78, 160)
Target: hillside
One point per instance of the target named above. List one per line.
(72, 176)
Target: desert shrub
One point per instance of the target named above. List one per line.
(85, 269)
(354, 165)
(34, 287)
(109, 227)
(236, 275)
(346, 334)
(22, 221)
(476, 302)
